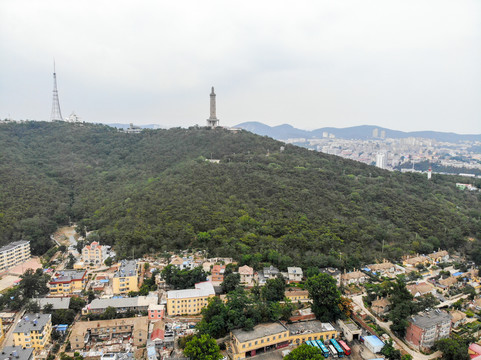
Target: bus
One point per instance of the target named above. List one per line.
(323, 348)
(333, 351)
(337, 347)
(343, 345)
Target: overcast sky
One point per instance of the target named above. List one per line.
(406, 65)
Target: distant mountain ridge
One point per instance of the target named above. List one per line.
(362, 132)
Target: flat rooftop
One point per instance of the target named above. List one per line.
(314, 326)
(31, 322)
(16, 352)
(426, 320)
(127, 268)
(259, 331)
(13, 245)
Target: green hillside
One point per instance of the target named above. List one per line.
(154, 191)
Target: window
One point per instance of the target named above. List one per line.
(262, 341)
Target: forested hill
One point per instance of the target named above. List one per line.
(155, 191)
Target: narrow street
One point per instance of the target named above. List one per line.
(385, 325)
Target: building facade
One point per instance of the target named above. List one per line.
(126, 279)
(13, 254)
(68, 282)
(218, 273)
(94, 253)
(189, 301)
(33, 331)
(83, 332)
(246, 275)
(428, 327)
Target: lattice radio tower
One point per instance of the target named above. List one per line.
(56, 113)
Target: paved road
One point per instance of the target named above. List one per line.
(385, 325)
(8, 341)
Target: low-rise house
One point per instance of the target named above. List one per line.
(448, 282)
(458, 318)
(189, 301)
(33, 331)
(246, 275)
(380, 306)
(83, 332)
(68, 282)
(294, 274)
(335, 273)
(415, 260)
(185, 263)
(296, 295)
(439, 256)
(126, 278)
(94, 254)
(121, 305)
(428, 327)
(267, 273)
(354, 277)
(218, 273)
(421, 289)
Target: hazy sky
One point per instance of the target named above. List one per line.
(406, 65)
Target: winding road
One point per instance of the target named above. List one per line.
(385, 325)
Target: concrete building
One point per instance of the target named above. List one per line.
(350, 330)
(381, 160)
(58, 303)
(246, 275)
(439, 256)
(13, 254)
(218, 273)
(16, 353)
(68, 282)
(189, 301)
(373, 343)
(294, 274)
(126, 279)
(85, 331)
(427, 327)
(266, 337)
(156, 312)
(94, 253)
(136, 304)
(33, 331)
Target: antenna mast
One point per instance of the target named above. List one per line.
(56, 113)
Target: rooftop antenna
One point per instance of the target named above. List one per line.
(56, 114)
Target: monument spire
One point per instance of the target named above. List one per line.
(212, 121)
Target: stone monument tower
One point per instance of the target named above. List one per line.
(212, 121)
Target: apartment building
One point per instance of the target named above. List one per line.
(13, 254)
(122, 305)
(189, 301)
(33, 331)
(427, 327)
(83, 332)
(126, 279)
(94, 253)
(218, 273)
(68, 282)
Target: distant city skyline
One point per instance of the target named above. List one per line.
(407, 66)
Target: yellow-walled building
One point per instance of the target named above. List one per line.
(68, 282)
(126, 279)
(296, 295)
(2, 332)
(267, 337)
(189, 301)
(33, 331)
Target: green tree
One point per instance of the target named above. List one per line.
(305, 352)
(231, 281)
(33, 283)
(76, 303)
(453, 349)
(109, 313)
(390, 352)
(325, 297)
(202, 348)
(108, 262)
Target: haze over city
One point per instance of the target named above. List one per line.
(403, 65)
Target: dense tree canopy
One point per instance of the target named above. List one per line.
(305, 352)
(202, 347)
(325, 296)
(260, 205)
